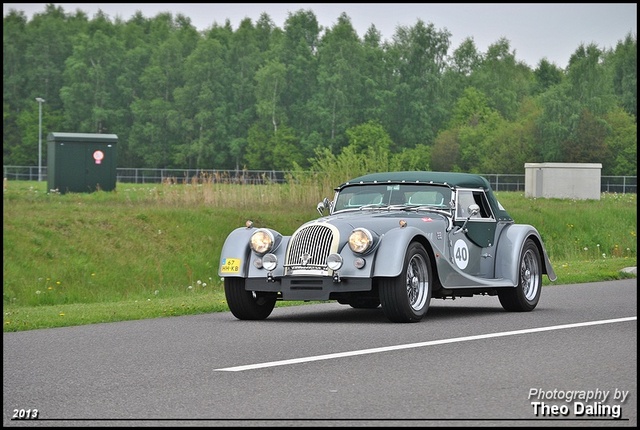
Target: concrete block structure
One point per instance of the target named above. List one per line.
(563, 180)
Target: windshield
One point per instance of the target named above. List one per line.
(360, 197)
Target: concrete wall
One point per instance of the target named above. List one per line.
(562, 180)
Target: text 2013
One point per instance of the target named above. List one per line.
(25, 414)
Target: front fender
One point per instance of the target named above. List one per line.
(509, 249)
(235, 257)
(392, 251)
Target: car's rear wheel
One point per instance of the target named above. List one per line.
(525, 296)
(406, 298)
(247, 305)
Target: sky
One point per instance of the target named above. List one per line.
(534, 30)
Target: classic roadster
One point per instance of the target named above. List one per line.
(396, 240)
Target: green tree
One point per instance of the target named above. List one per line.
(270, 85)
(377, 78)
(201, 102)
(547, 75)
(475, 123)
(417, 112)
(272, 150)
(513, 143)
(340, 84)
(622, 142)
(589, 145)
(243, 64)
(299, 53)
(503, 79)
(445, 153)
(625, 73)
(589, 82)
(463, 63)
(157, 126)
(89, 95)
(14, 72)
(367, 152)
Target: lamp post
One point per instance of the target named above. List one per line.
(40, 100)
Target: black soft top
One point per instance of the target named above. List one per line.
(452, 179)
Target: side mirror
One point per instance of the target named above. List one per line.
(473, 210)
(324, 204)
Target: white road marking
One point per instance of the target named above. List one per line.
(418, 345)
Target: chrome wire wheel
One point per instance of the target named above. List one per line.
(530, 274)
(524, 296)
(406, 297)
(417, 282)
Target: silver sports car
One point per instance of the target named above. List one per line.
(396, 240)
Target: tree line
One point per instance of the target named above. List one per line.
(308, 97)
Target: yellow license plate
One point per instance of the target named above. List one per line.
(230, 265)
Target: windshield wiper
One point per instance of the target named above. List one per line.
(373, 206)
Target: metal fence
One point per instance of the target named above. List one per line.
(498, 181)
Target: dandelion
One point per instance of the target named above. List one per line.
(156, 292)
(199, 282)
(61, 314)
(585, 248)
(190, 287)
(604, 255)
(38, 292)
(204, 284)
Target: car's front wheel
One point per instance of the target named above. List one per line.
(406, 298)
(247, 305)
(525, 296)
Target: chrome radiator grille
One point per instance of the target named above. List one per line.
(308, 249)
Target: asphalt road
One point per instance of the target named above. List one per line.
(570, 362)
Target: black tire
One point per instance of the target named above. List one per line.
(247, 305)
(406, 298)
(525, 296)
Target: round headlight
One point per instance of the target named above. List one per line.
(261, 241)
(360, 240)
(334, 262)
(269, 262)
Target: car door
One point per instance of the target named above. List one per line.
(472, 247)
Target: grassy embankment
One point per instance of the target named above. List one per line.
(147, 251)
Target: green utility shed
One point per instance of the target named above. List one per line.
(81, 162)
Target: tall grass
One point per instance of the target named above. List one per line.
(154, 249)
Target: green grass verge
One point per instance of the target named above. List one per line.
(151, 251)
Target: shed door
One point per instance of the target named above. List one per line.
(99, 162)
